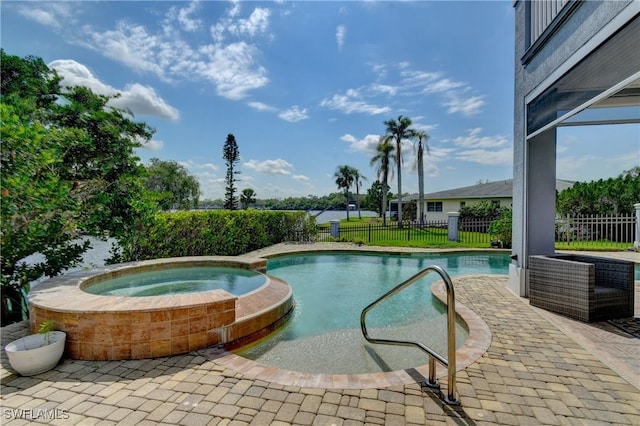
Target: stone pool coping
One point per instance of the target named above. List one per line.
(116, 327)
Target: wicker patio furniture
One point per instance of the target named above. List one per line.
(586, 288)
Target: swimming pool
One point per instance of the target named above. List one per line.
(331, 289)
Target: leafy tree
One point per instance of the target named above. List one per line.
(247, 198)
(602, 197)
(40, 211)
(399, 130)
(422, 144)
(176, 188)
(375, 199)
(68, 170)
(344, 179)
(27, 81)
(231, 155)
(382, 161)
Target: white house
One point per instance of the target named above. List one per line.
(438, 204)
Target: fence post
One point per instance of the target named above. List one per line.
(335, 228)
(452, 226)
(636, 242)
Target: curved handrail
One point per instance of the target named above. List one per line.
(450, 363)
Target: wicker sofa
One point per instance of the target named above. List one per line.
(586, 288)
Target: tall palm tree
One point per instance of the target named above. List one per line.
(399, 130)
(344, 180)
(422, 137)
(358, 179)
(382, 162)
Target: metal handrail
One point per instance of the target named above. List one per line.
(450, 363)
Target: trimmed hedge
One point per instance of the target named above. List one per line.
(213, 232)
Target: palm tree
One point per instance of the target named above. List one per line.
(358, 179)
(422, 136)
(344, 180)
(398, 131)
(247, 198)
(382, 161)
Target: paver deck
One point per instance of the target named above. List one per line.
(536, 371)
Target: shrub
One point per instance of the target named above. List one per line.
(501, 229)
(216, 232)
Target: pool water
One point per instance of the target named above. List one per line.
(330, 290)
(236, 281)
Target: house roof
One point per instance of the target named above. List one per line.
(498, 189)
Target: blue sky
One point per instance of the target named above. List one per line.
(306, 86)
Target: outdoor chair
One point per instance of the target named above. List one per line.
(585, 288)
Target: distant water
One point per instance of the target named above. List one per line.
(330, 215)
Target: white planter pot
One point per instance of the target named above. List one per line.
(33, 355)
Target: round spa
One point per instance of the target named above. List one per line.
(161, 307)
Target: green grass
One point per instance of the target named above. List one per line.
(593, 246)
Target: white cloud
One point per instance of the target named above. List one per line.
(490, 150)
(466, 106)
(294, 114)
(351, 102)
(367, 145)
(300, 178)
(261, 106)
(131, 45)
(443, 85)
(341, 32)
(134, 97)
(153, 145)
(436, 83)
(270, 167)
(384, 89)
(256, 23)
(189, 24)
(51, 14)
(418, 78)
(473, 139)
(144, 100)
(232, 68)
(489, 157)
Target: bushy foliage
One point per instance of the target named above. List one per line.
(501, 229)
(68, 170)
(602, 197)
(215, 232)
(482, 210)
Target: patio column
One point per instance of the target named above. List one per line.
(534, 200)
(636, 242)
(335, 228)
(453, 220)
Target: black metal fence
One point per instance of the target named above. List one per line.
(428, 232)
(587, 231)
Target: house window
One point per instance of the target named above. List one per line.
(462, 204)
(434, 206)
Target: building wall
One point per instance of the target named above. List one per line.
(534, 161)
(453, 205)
